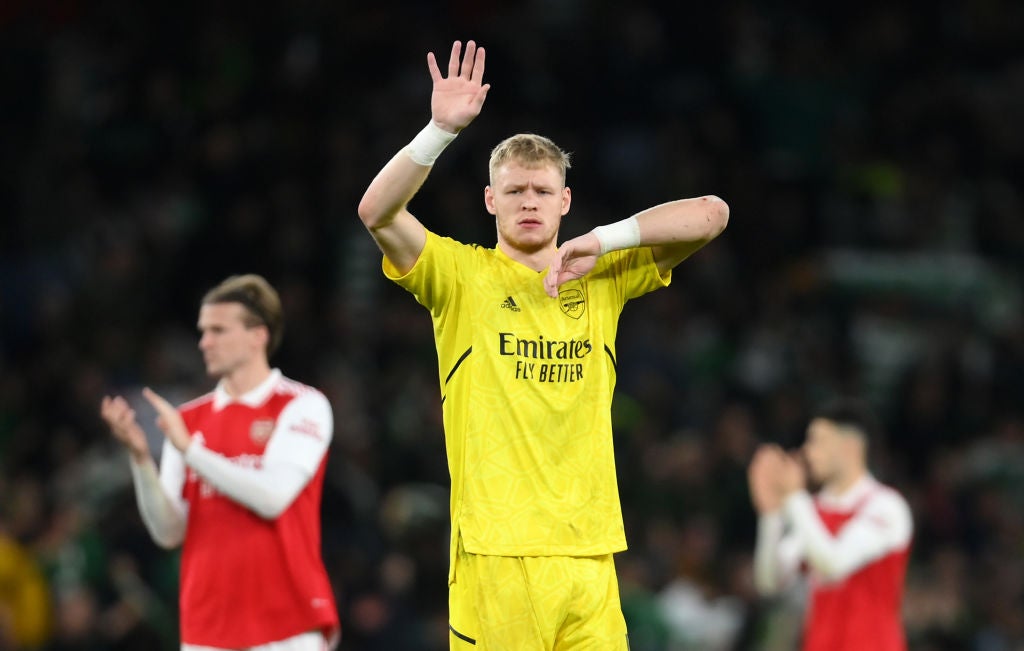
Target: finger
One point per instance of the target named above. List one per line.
(453, 60)
(158, 402)
(481, 95)
(435, 72)
(478, 65)
(551, 284)
(106, 405)
(468, 60)
(123, 417)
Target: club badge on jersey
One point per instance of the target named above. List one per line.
(261, 430)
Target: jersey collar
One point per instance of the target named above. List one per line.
(252, 398)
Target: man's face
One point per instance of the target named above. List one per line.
(528, 203)
(226, 342)
(825, 449)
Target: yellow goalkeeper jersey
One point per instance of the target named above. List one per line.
(526, 389)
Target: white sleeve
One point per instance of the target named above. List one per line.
(884, 525)
(777, 555)
(161, 506)
(298, 444)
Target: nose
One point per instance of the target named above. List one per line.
(529, 200)
(204, 341)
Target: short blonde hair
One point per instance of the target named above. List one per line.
(260, 300)
(530, 150)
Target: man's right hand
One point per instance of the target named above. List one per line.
(457, 99)
(121, 419)
(763, 478)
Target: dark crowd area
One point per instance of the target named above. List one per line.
(876, 247)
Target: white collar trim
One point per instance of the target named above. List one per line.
(252, 398)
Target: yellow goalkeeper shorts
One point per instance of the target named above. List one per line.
(535, 603)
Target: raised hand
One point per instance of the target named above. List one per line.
(168, 420)
(120, 417)
(763, 478)
(574, 259)
(458, 98)
(793, 476)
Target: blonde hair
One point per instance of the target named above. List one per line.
(530, 150)
(260, 300)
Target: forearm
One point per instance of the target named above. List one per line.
(772, 572)
(391, 191)
(699, 219)
(164, 520)
(673, 230)
(882, 527)
(399, 180)
(266, 491)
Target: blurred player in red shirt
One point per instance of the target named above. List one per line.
(239, 485)
(852, 538)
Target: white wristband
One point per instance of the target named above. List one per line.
(428, 144)
(623, 234)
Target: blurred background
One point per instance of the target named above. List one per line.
(875, 247)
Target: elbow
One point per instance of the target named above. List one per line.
(269, 513)
(271, 507)
(169, 540)
(369, 212)
(377, 212)
(717, 216)
(764, 588)
(829, 570)
(768, 591)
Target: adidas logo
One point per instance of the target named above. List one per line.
(510, 304)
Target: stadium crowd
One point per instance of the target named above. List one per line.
(866, 151)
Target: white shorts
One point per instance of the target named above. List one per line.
(311, 641)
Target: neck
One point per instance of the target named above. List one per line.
(845, 482)
(537, 260)
(246, 378)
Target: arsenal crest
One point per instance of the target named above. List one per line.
(261, 430)
(572, 302)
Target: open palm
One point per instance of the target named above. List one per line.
(458, 98)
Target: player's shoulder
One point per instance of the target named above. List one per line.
(449, 242)
(288, 387)
(198, 403)
(886, 498)
(452, 246)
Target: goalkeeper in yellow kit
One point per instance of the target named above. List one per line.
(525, 336)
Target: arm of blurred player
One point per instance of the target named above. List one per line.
(777, 554)
(454, 102)
(293, 454)
(158, 495)
(673, 230)
(883, 526)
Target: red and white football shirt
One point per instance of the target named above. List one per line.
(854, 548)
(246, 578)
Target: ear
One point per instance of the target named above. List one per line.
(489, 200)
(566, 200)
(262, 334)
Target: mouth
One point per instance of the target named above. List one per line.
(530, 222)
